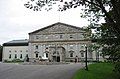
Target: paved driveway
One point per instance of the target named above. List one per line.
(12, 71)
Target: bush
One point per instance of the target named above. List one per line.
(117, 67)
(17, 60)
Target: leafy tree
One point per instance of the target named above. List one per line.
(107, 34)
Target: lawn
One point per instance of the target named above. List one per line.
(97, 71)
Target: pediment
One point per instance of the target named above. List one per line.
(58, 28)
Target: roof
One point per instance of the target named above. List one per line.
(54, 25)
(23, 42)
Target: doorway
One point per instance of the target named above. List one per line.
(56, 58)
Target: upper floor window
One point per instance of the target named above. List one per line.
(71, 46)
(61, 36)
(20, 50)
(15, 51)
(26, 50)
(9, 50)
(36, 47)
(47, 55)
(37, 37)
(71, 36)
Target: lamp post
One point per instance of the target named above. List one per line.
(86, 67)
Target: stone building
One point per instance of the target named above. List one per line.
(57, 42)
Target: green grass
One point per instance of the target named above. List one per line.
(97, 71)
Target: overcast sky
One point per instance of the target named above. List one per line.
(16, 21)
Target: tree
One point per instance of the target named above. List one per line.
(109, 33)
(1, 53)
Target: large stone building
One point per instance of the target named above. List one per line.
(57, 42)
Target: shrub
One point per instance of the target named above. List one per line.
(17, 60)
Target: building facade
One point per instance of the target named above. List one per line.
(16, 49)
(58, 42)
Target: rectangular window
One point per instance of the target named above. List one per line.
(9, 56)
(36, 47)
(20, 56)
(9, 50)
(37, 37)
(82, 54)
(15, 56)
(71, 54)
(36, 55)
(61, 36)
(71, 36)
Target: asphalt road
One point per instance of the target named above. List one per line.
(14, 71)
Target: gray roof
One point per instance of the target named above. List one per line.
(23, 42)
(18, 41)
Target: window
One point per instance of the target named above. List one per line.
(82, 54)
(26, 55)
(36, 55)
(46, 48)
(21, 56)
(15, 55)
(36, 47)
(20, 50)
(71, 54)
(9, 50)
(71, 36)
(37, 37)
(26, 50)
(9, 56)
(47, 55)
(15, 51)
(61, 36)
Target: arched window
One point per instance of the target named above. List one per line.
(71, 54)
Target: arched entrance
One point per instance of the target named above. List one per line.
(57, 54)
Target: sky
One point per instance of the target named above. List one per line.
(16, 21)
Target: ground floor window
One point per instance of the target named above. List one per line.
(82, 54)
(21, 56)
(36, 55)
(71, 54)
(9, 56)
(47, 55)
(15, 55)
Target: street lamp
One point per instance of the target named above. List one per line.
(86, 67)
